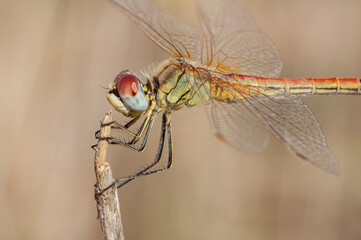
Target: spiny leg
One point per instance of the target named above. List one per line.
(136, 136)
(115, 141)
(147, 125)
(116, 125)
(165, 124)
(156, 160)
(131, 122)
(170, 155)
(141, 130)
(127, 125)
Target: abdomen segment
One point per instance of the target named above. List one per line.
(304, 86)
(324, 85)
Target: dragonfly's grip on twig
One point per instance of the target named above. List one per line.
(107, 202)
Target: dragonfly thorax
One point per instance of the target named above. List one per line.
(176, 87)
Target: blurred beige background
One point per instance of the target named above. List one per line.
(55, 55)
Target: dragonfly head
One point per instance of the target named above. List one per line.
(128, 95)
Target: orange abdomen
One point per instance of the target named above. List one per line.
(305, 85)
(242, 86)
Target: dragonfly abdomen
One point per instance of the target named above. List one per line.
(302, 86)
(321, 86)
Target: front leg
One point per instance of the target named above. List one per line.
(130, 145)
(165, 127)
(150, 115)
(136, 136)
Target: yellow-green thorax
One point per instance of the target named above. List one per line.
(177, 87)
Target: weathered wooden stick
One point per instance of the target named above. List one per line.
(107, 202)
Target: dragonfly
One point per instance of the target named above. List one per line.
(231, 67)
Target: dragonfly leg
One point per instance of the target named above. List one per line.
(141, 130)
(115, 141)
(116, 125)
(136, 136)
(166, 126)
(170, 155)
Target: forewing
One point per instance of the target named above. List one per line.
(232, 42)
(237, 126)
(174, 36)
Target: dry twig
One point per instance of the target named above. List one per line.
(107, 202)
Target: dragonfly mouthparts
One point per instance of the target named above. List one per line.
(115, 92)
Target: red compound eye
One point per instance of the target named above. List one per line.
(127, 84)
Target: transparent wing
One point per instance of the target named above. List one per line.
(233, 123)
(296, 126)
(289, 119)
(174, 36)
(236, 125)
(232, 42)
